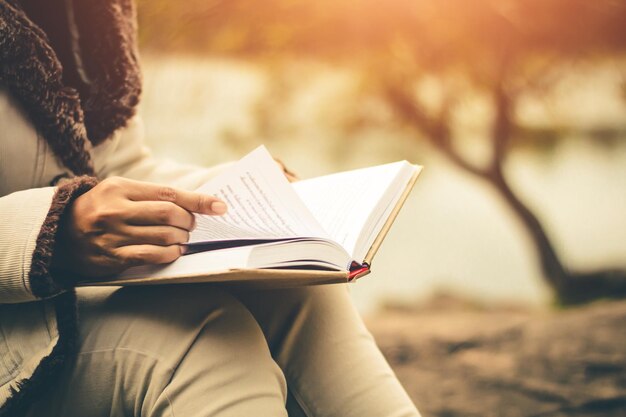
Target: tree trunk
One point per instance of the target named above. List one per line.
(569, 287)
(551, 265)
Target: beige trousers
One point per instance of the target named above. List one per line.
(197, 350)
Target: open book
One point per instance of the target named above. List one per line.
(322, 230)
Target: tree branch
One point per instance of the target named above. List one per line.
(436, 130)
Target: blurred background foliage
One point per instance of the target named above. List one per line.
(516, 107)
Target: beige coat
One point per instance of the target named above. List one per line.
(28, 326)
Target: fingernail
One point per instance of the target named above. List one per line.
(218, 207)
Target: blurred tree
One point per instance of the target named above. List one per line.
(497, 50)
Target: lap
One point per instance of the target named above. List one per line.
(198, 350)
(162, 321)
(145, 351)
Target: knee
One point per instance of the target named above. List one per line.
(227, 358)
(312, 301)
(315, 308)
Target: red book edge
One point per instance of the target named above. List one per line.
(357, 271)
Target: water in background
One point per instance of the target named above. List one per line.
(454, 233)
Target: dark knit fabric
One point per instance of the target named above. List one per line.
(111, 64)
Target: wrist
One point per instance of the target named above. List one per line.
(49, 273)
(61, 254)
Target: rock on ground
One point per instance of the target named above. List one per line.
(464, 361)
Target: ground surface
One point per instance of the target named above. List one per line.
(460, 360)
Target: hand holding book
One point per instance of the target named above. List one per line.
(121, 222)
(319, 230)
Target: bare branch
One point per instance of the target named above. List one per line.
(502, 126)
(436, 129)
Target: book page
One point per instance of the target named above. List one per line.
(343, 203)
(262, 204)
(381, 220)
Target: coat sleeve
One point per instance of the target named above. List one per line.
(128, 156)
(28, 226)
(28, 218)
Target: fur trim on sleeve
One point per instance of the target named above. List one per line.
(43, 282)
